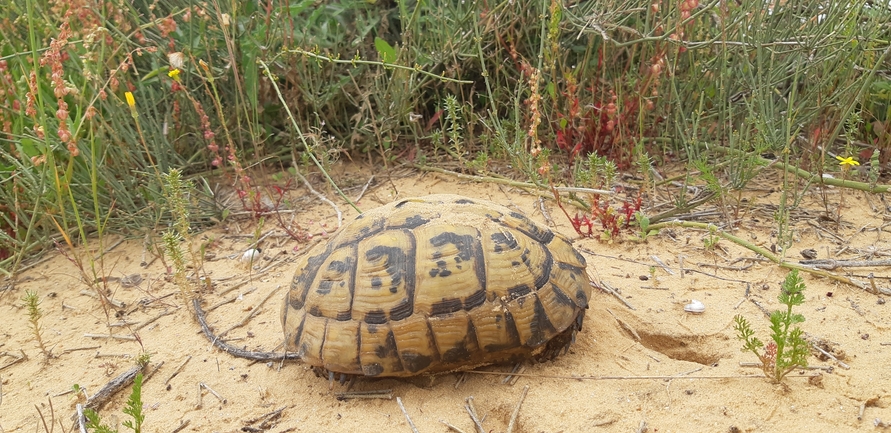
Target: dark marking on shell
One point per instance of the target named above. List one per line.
(464, 201)
(463, 243)
(324, 287)
(510, 327)
(581, 299)
(401, 311)
(392, 350)
(430, 338)
(457, 353)
(504, 241)
(376, 317)
(299, 334)
(341, 267)
(561, 297)
(415, 362)
(446, 306)
(343, 316)
(529, 228)
(373, 369)
(315, 311)
(472, 338)
(413, 222)
(540, 327)
(543, 274)
(397, 262)
(518, 291)
(475, 299)
(303, 280)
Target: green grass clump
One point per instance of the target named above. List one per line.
(788, 350)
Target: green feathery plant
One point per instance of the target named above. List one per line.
(788, 350)
(453, 126)
(32, 302)
(175, 190)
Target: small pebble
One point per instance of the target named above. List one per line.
(880, 301)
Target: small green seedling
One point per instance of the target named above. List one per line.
(788, 350)
(32, 302)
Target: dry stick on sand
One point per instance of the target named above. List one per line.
(682, 375)
(831, 264)
(253, 313)
(15, 359)
(451, 427)
(322, 198)
(178, 369)
(513, 417)
(114, 337)
(473, 416)
(544, 190)
(111, 388)
(254, 275)
(768, 254)
(606, 288)
(384, 394)
(407, 418)
(210, 390)
(230, 300)
(182, 424)
(232, 350)
(662, 264)
(152, 320)
(364, 188)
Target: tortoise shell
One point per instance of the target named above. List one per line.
(433, 284)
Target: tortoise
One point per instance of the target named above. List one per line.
(435, 284)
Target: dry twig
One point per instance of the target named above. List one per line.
(407, 418)
(234, 351)
(473, 416)
(606, 288)
(513, 417)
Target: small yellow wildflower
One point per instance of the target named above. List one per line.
(849, 161)
(174, 73)
(131, 101)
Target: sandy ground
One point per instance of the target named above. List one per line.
(652, 364)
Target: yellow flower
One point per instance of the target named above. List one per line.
(174, 73)
(846, 161)
(131, 101)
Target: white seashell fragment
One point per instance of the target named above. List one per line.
(695, 307)
(250, 256)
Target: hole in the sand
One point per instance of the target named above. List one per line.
(693, 348)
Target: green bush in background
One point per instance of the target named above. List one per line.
(537, 83)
